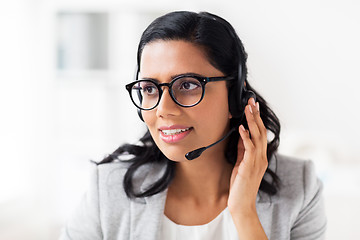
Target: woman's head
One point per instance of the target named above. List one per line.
(215, 38)
(176, 129)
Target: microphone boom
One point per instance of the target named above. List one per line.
(196, 153)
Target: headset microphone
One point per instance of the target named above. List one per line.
(196, 153)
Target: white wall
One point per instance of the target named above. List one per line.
(303, 58)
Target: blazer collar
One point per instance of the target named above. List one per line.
(146, 214)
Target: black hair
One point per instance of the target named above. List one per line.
(220, 42)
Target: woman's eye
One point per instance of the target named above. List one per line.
(187, 85)
(149, 89)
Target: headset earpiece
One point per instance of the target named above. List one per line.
(247, 95)
(239, 95)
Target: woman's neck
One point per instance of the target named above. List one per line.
(203, 180)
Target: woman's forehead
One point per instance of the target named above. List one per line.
(174, 57)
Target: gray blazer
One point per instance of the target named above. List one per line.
(295, 212)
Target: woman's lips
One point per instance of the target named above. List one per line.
(174, 134)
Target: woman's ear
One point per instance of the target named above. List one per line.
(230, 116)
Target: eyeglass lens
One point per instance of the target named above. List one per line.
(186, 91)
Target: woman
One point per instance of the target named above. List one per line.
(191, 91)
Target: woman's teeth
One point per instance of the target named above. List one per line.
(174, 131)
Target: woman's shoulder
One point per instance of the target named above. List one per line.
(298, 178)
(297, 209)
(115, 169)
(294, 171)
(111, 175)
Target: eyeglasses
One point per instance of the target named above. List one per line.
(185, 90)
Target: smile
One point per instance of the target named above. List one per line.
(174, 135)
(174, 131)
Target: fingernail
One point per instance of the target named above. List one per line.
(250, 108)
(258, 106)
(252, 101)
(242, 127)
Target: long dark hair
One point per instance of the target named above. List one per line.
(219, 41)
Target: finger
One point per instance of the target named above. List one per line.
(251, 157)
(240, 151)
(259, 122)
(253, 127)
(261, 140)
(247, 143)
(248, 159)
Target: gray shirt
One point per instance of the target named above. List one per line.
(295, 212)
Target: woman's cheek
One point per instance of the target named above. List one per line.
(148, 117)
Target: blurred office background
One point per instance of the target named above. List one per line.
(64, 64)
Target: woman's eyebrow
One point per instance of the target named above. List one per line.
(186, 74)
(173, 76)
(148, 78)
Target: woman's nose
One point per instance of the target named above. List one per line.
(167, 107)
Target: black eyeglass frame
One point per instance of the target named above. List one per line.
(203, 81)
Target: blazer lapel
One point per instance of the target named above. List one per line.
(146, 214)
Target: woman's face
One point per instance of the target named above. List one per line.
(200, 125)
